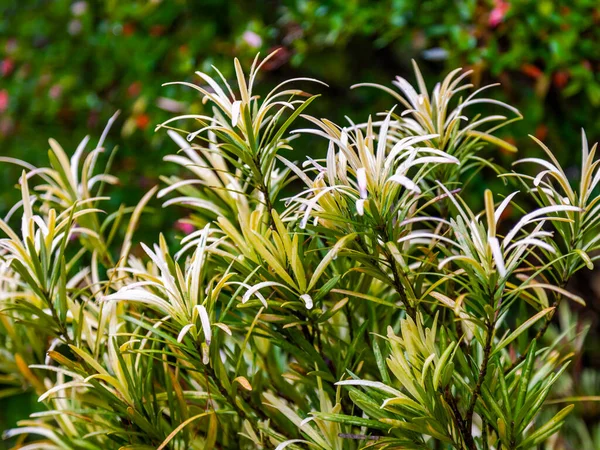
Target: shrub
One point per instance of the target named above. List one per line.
(372, 307)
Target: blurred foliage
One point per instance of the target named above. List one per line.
(66, 66)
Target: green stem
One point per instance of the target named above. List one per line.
(410, 309)
(263, 188)
(61, 326)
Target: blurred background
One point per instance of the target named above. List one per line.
(67, 66)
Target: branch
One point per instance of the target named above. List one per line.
(459, 421)
(263, 188)
(410, 309)
(487, 351)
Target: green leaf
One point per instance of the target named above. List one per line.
(547, 430)
(441, 364)
(523, 327)
(331, 255)
(351, 420)
(381, 365)
(525, 377)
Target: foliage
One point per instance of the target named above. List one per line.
(70, 65)
(373, 308)
(65, 67)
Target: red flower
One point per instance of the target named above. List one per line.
(142, 121)
(134, 89)
(128, 29)
(4, 98)
(157, 30)
(278, 59)
(560, 79)
(541, 132)
(531, 71)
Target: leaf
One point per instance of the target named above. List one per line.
(330, 256)
(28, 374)
(269, 258)
(523, 327)
(373, 384)
(379, 359)
(205, 321)
(548, 429)
(243, 382)
(284, 444)
(351, 420)
(586, 259)
(493, 140)
(63, 386)
(489, 213)
(403, 401)
(525, 377)
(551, 287)
(331, 312)
(441, 364)
(89, 360)
(370, 298)
(211, 435)
(181, 426)
(582, 398)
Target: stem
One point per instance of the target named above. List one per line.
(410, 309)
(487, 351)
(224, 393)
(61, 326)
(315, 326)
(350, 321)
(383, 234)
(269, 205)
(484, 435)
(459, 421)
(262, 187)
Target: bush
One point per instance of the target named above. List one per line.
(372, 307)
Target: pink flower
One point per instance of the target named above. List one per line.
(79, 8)
(11, 46)
(252, 39)
(7, 125)
(185, 227)
(4, 98)
(6, 66)
(168, 104)
(497, 14)
(74, 27)
(55, 91)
